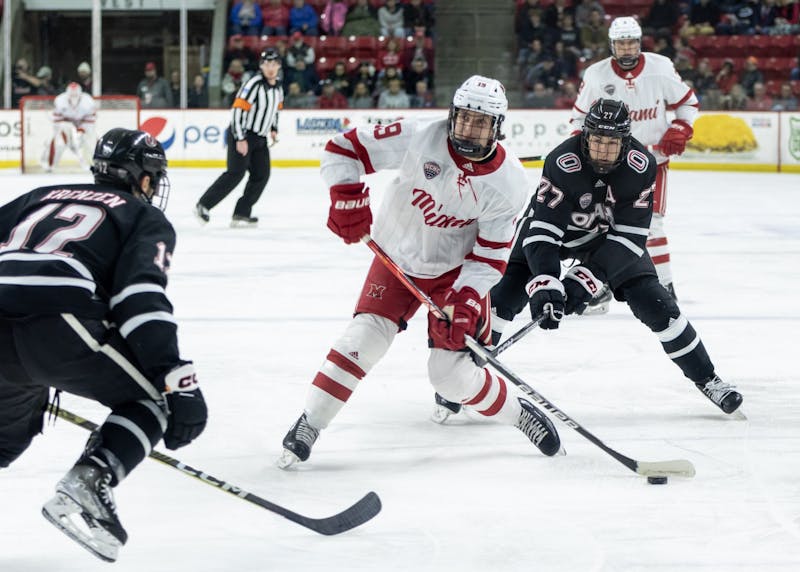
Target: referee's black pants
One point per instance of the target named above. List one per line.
(256, 163)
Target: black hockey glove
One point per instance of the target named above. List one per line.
(547, 299)
(185, 406)
(580, 286)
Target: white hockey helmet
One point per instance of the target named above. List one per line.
(74, 92)
(625, 28)
(482, 95)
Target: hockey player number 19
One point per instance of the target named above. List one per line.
(384, 131)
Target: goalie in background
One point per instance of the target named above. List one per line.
(74, 116)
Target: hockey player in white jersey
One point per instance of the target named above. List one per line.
(650, 86)
(74, 115)
(447, 220)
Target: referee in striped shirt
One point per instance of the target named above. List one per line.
(254, 117)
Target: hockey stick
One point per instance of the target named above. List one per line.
(678, 468)
(354, 516)
(518, 335)
(531, 158)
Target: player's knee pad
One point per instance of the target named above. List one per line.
(450, 373)
(650, 302)
(657, 226)
(369, 336)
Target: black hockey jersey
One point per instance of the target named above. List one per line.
(96, 252)
(576, 211)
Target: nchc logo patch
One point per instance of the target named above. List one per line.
(431, 169)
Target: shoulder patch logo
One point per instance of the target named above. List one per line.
(585, 200)
(569, 163)
(431, 169)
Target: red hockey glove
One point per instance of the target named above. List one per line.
(350, 216)
(674, 140)
(580, 286)
(464, 307)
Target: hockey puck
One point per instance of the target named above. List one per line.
(657, 480)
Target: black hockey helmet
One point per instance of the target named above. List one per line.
(123, 156)
(606, 118)
(269, 55)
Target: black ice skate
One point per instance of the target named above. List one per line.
(297, 443)
(444, 409)
(84, 510)
(202, 214)
(242, 221)
(723, 395)
(600, 303)
(538, 428)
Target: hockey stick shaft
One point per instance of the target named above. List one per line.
(358, 514)
(679, 467)
(531, 158)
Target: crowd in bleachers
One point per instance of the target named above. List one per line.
(337, 54)
(736, 54)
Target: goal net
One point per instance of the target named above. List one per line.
(37, 127)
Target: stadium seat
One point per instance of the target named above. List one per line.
(773, 87)
(784, 45)
(332, 46)
(795, 83)
(324, 66)
(761, 46)
(738, 46)
(701, 45)
(362, 46)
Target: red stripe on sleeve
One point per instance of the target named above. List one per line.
(661, 241)
(672, 106)
(341, 361)
(361, 151)
(332, 147)
(331, 387)
(661, 259)
(499, 265)
(489, 244)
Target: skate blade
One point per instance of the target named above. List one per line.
(287, 459)
(738, 415)
(59, 511)
(597, 310)
(441, 414)
(243, 224)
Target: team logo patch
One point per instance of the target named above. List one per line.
(376, 291)
(431, 169)
(609, 89)
(585, 200)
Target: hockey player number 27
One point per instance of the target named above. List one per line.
(384, 131)
(87, 218)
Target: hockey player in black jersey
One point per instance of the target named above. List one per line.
(594, 204)
(83, 309)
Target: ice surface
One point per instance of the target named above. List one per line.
(258, 310)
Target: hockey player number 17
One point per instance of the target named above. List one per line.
(88, 219)
(384, 131)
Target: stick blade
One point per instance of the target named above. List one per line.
(362, 511)
(675, 468)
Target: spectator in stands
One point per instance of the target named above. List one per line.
(546, 72)
(703, 18)
(391, 19)
(766, 15)
(712, 99)
(384, 77)
(304, 75)
(46, 87)
(683, 49)
(422, 97)
(330, 98)
(539, 97)
(795, 73)
(417, 71)
(661, 18)
(365, 74)
(341, 79)
(22, 82)
(786, 101)
(391, 55)
(741, 18)
(565, 60)
(583, 12)
(418, 50)
(303, 18)
(154, 91)
(418, 16)
(85, 77)
(534, 28)
(233, 79)
(594, 36)
(736, 100)
(566, 95)
(276, 18)
(239, 51)
(704, 77)
(663, 47)
(570, 36)
(246, 18)
(297, 98)
(787, 18)
(361, 98)
(333, 17)
(685, 69)
(554, 13)
(175, 87)
(298, 50)
(362, 20)
(394, 96)
(761, 100)
(751, 75)
(727, 77)
(533, 55)
(197, 98)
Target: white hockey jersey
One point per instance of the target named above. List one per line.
(650, 90)
(442, 211)
(81, 115)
